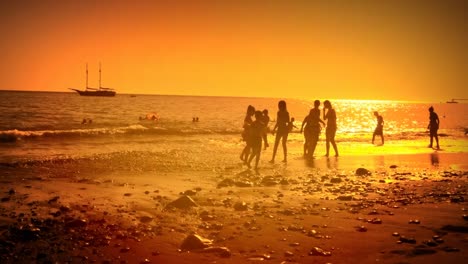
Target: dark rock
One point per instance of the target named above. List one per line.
(206, 216)
(408, 240)
(363, 172)
(458, 199)
(243, 184)
(430, 243)
(26, 233)
(195, 242)
(393, 166)
(316, 251)
(226, 183)
(189, 192)
(269, 181)
(11, 191)
(146, 219)
(423, 251)
(336, 180)
(76, 223)
(65, 208)
(241, 206)
(54, 199)
(450, 249)
(284, 181)
(223, 252)
(5, 199)
(361, 229)
(125, 250)
(456, 229)
(345, 198)
(183, 202)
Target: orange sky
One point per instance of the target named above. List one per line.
(402, 50)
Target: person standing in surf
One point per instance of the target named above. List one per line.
(246, 133)
(379, 129)
(433, 126)
(282, 128)
(257, 129)
(330, 132)
(266, 121)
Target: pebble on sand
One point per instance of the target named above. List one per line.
(183, 202)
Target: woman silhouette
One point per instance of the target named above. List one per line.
(282, 125)
(246, 133)
(433, 126)
(330, 116)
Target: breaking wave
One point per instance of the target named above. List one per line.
(15, 135)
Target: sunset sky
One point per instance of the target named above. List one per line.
(389, 50)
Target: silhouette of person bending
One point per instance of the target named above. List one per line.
(312, 129)
(266, 121)
(282, 125)
(433, 126)
(330, 131)
(256, 135)
(379, 129)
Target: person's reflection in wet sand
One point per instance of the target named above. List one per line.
(310, 163)
(332, 163)
(435, 159)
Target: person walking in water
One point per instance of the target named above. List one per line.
(282, 128)
(256, 133)
(312, 129)
(330, 132)
(433, 126)
(266, 121)
(379, 129)
(246, 133)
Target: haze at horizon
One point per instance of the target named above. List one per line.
(392, 50)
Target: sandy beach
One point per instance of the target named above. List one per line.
(406, 210)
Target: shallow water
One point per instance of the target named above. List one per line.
(37, 126)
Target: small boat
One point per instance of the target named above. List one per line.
(89, 91)
(452, 102)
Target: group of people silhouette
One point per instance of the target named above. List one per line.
(255, 131)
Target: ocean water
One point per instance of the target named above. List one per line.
(40, 127)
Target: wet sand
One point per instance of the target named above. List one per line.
(408, 209)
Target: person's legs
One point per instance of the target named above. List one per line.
(436, 138)
(306, 146)
(265, 140)
(332, 141)
(275, 147)
(431, 135)
(245, 153)
(313, 143)
(257, 157)
(285, 148)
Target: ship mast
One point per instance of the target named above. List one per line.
(100, 75)
(86, 75)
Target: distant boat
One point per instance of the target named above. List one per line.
(89, 91)
(452, 102)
